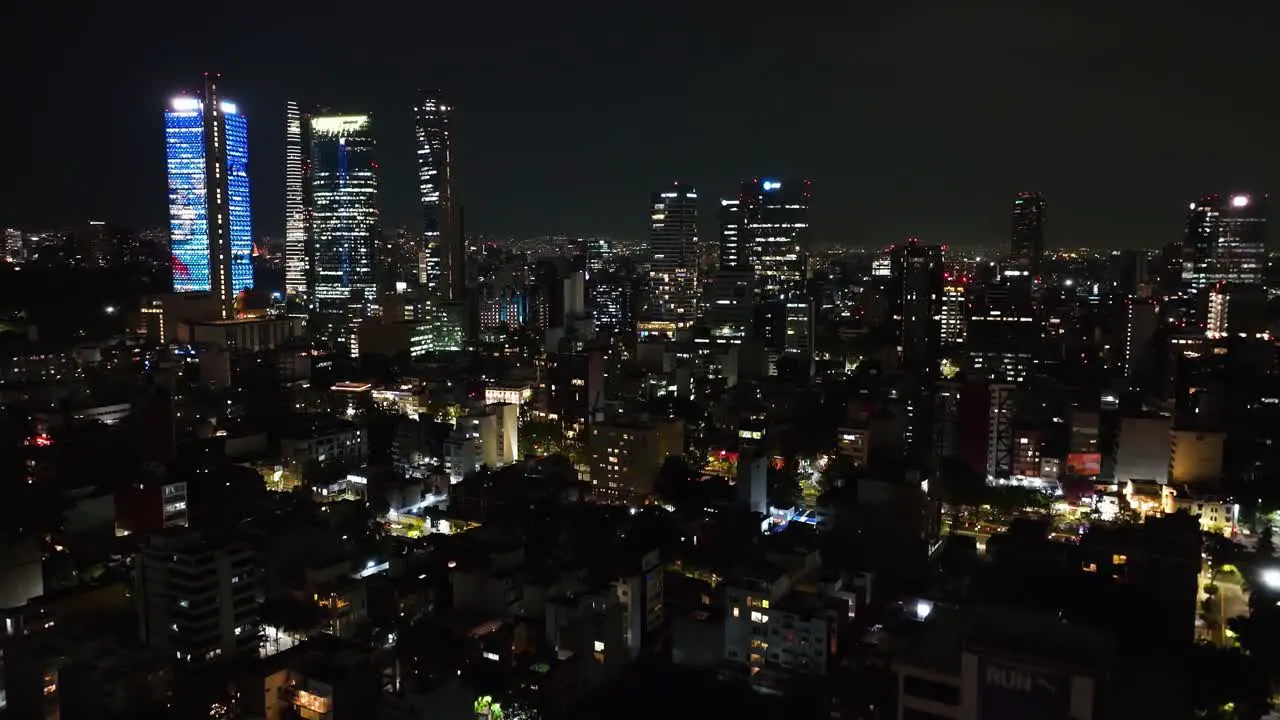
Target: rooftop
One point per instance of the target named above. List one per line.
(937, 643)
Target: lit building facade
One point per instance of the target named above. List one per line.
(776, 228)
(296, 163)
(443, 256)
(210, 224)
(776, 223)
(1225, 241)
(611, 301)
(505, 309)
(953, 316)
(734, 253)
(344, 227)
(673, 270)
(627, 455)
(13, 251)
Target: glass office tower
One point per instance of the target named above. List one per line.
(210, 224)
(1226, 241)
(296, 163)
(776, 231)
(344, 227)
(443, 256)
(775, 216)
(1026, 239)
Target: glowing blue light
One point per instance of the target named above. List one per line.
(188, 204)
(189, 198)
(770, 185)
(239, 227)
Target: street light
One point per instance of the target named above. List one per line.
(1271, 578)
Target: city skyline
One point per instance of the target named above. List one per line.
(931, 144)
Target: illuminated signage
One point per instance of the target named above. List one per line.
(1013, 691)
(770, 185)
(186, 104)
(339, 124)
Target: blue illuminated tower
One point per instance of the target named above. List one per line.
(210, 226)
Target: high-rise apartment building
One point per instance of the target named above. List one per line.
(196, 598)
(1026, 241)
(344, 227)
(1003, 336)
(916, 293)
(611, 301)
(954, 316)
(1225, 241)
(442, 263)
(297, 161)
(673, 270)
(210, 226)
(13, 251)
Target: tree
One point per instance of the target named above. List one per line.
(541, 437)
(961, 485)
(1012, 498)
(839, 470)
(1226, 683)
(1220, 552)
(1266, 543)
(783, 488)
(676, 484)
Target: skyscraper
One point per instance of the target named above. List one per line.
(13, 246)
(673, 270)
(443, 259)
(776, 234)
(344, 227)
(776, 217)
(733, 251)
(210, 228)
(1026, 241)
(296, 163)
(916, 294)
(1225, 241)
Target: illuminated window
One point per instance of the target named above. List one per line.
(758, 617)
(1090, 567)
(1119, 559)
(599, 646)
(735, 611)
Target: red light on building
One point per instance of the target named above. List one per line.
(42, 441)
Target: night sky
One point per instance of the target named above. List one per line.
(910, 116)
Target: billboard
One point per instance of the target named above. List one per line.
(1088, 464)
(1013, 691)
